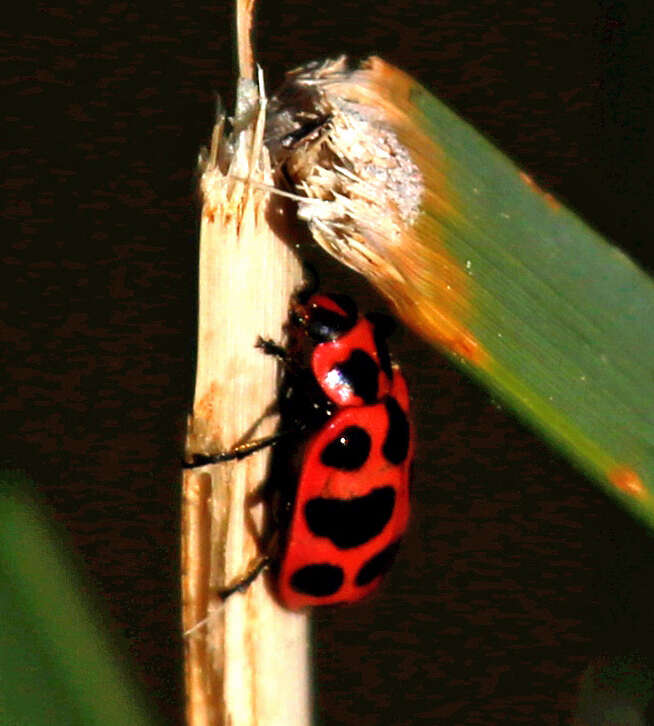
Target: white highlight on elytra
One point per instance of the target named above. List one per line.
(335, 379)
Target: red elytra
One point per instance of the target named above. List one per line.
(351, 506)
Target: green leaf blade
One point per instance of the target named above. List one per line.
(566, 318)
(516, 289)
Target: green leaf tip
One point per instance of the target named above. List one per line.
(515, 288)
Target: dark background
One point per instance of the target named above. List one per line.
(517, 573)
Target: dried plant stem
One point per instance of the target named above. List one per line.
(244, 18)
(246, 659)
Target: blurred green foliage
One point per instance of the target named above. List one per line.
(57, 661)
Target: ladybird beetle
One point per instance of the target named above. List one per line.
(346, 508)
(339, 488)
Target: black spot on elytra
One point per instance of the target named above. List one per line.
(382, 326)
(348, 451)
(396, 444)
(377, 565)
(360, 372)
(350, 523)
(327, 325)
(317, 580)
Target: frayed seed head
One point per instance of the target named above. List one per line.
(342, 152)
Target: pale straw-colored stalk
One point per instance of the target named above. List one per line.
(246, 658)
